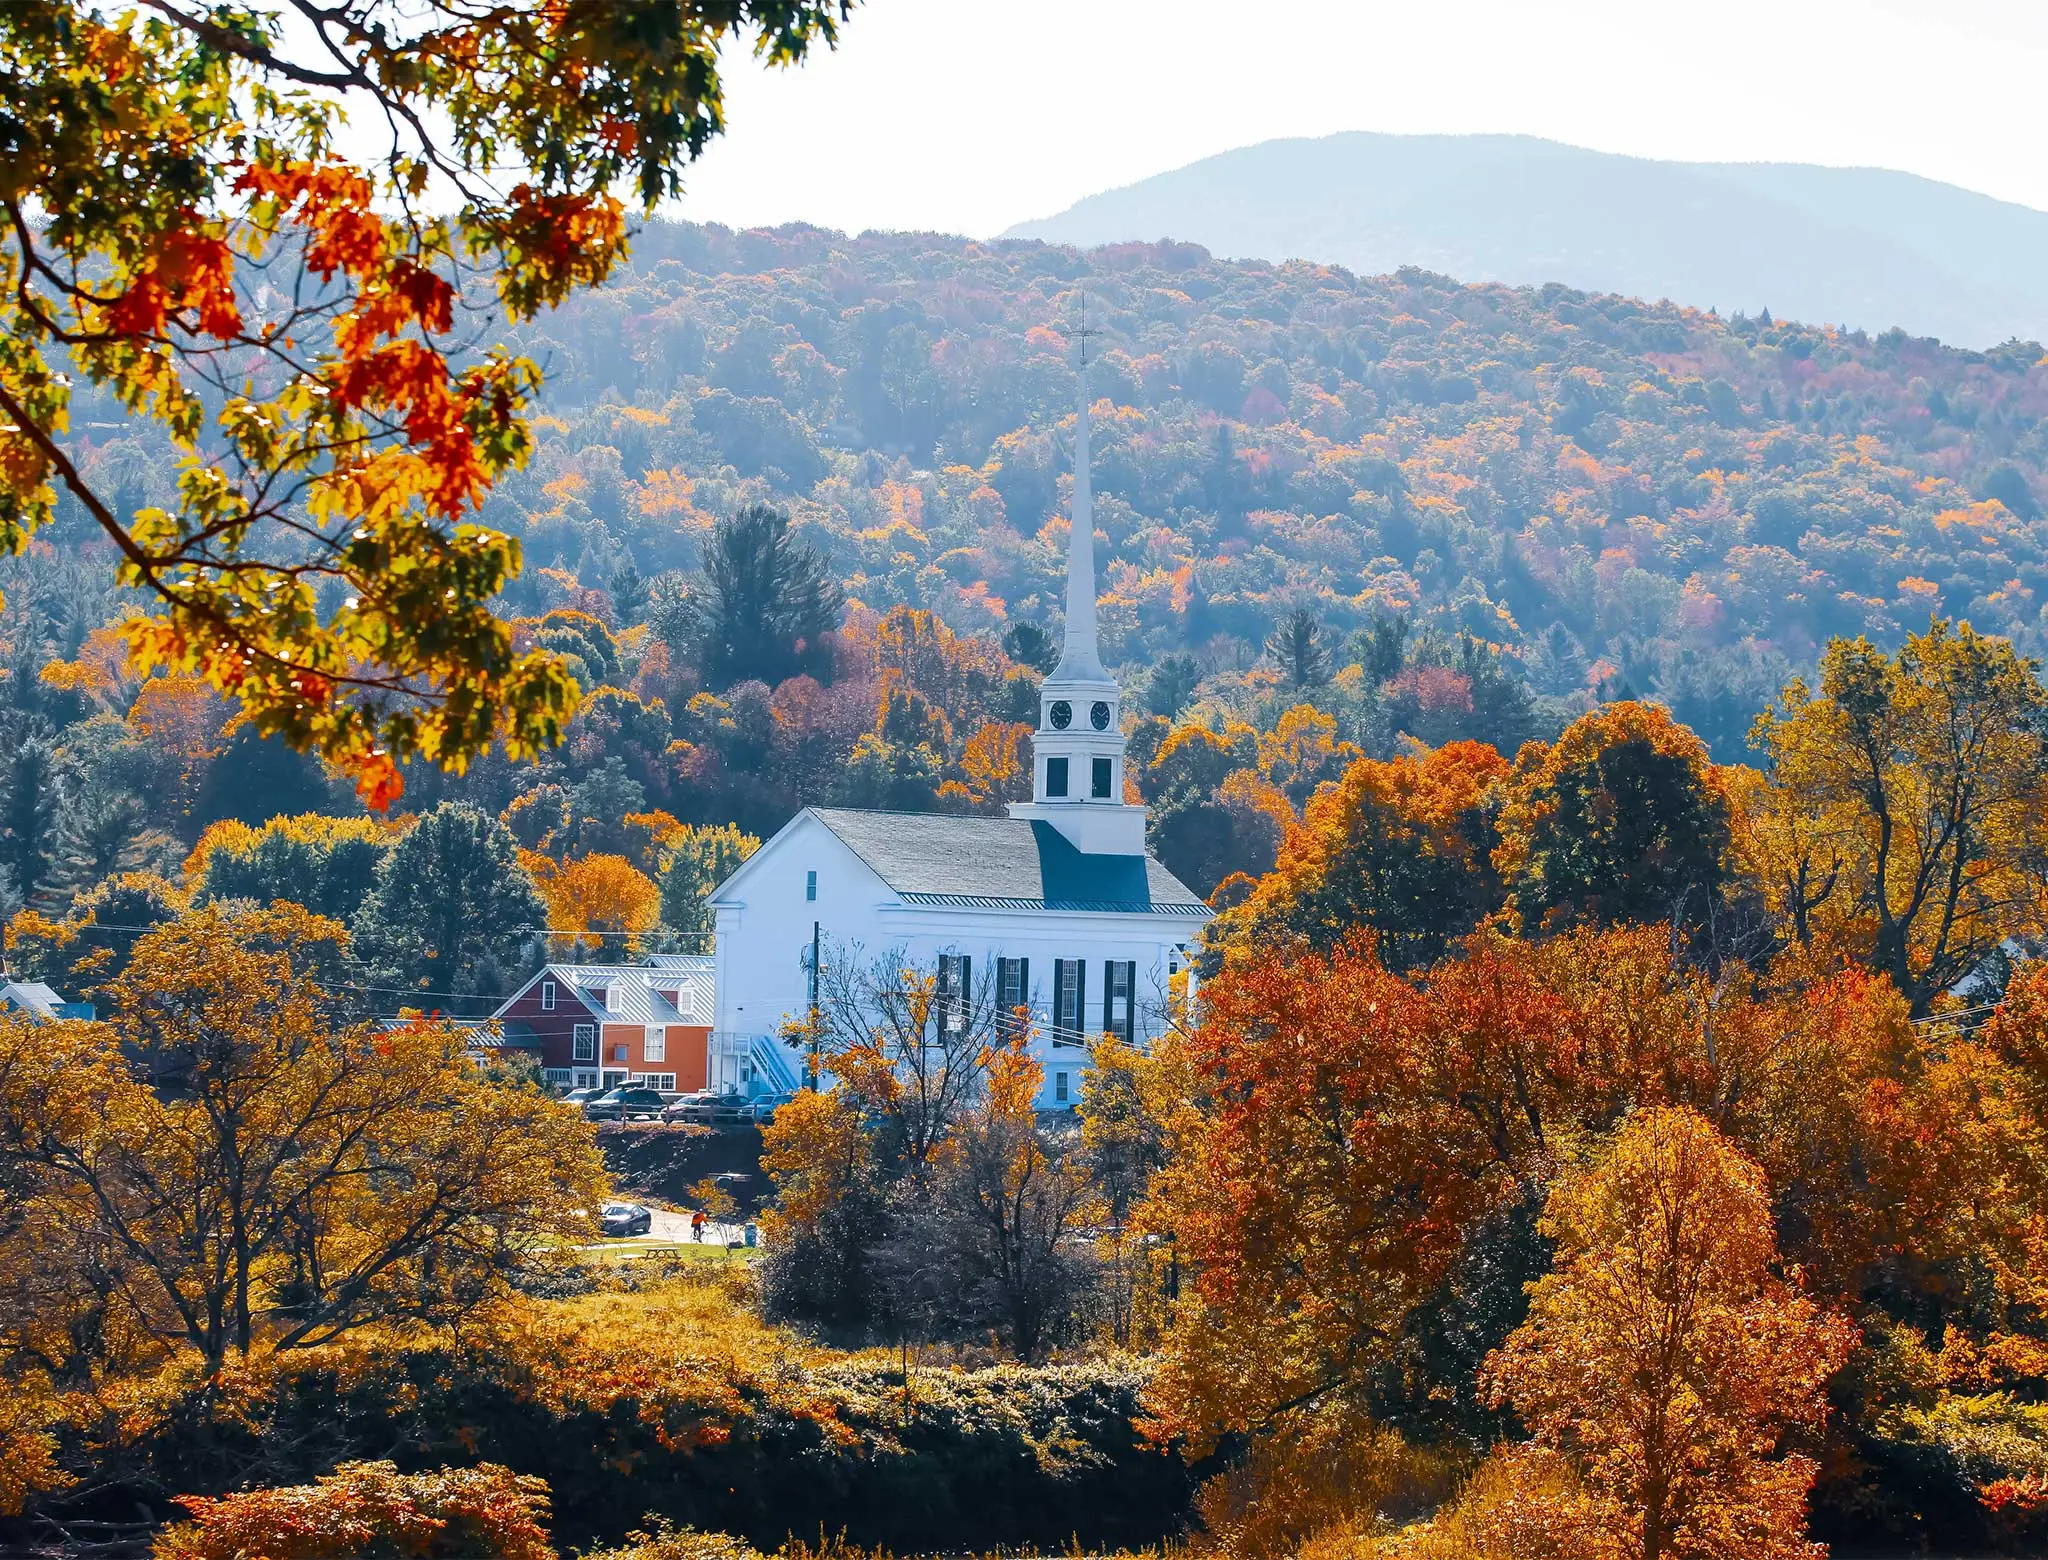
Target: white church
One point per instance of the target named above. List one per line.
(1059, 903)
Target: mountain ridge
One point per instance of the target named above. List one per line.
(1866, 248)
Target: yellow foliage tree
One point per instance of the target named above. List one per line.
(232, 1164)
(1908, 805)
(599, 901)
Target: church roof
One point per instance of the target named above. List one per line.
(1003, 863)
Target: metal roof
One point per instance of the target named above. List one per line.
(633, 993)
(1003, 863)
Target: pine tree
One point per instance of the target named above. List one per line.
(1297, 644)
(102, 830)
(764, 604)
(30, 796)
(452, 913)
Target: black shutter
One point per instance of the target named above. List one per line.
(1080, 1000)
(1130, 1033)
(964, 998)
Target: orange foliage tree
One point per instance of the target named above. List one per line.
(598, 901)
(1663, 1361)
(183, 230)
(1403, 847)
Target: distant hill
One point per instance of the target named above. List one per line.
(1860, 247)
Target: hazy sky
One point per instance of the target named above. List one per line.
(969, 115)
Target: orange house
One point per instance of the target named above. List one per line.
(600, 1025)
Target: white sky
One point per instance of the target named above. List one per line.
(969, 115)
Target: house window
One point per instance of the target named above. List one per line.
(811, 886)
(655, 1049)
(585, 1042)
(547, 996)
(1119, 998)
(556, 1077)
(583, 1078)
(1013, 991)
(1069, 1001)
(1055, 777)
(955, 993)
(664, 1083)
(611, 999)
(1101, 785)
(1059, 1087)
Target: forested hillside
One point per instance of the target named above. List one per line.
(1333, 512)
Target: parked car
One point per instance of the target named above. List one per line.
(624, 1218)
(623, 1104)
(582, 1097)
(762, 1110)
(694, 1106)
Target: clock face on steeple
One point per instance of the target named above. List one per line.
(1061, 714)
(1098, 715)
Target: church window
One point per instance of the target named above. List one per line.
(810, 885)
(1013, 991)
(1120, 998)
(1056, 777)
(585, 1041)
(1069, 1001)
(1059, 1087)
(954, 993)
(1098, 715)
(1062, 714)
(1100, 779)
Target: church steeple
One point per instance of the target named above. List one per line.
(1078, 749)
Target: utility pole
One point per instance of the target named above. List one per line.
(815, 938)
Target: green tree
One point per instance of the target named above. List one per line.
(1297, 646)
(1028, 644)
(764, 604)
(329, 868)
(102, 829)
(1172, 686)
(698, 862)
(31, 797)
(1622, 820)
(451, 913)
(594, 814)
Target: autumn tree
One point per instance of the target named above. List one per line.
(1403, 848)
(598, 904)
(911, 1047)
(1622, 819)
(370, 1508)
(1664, 1361)
(451, 911)
(329, 865)
(242, 1166)
(827, 1212)
(987, 1245)
(185, 233)
(1903, 820)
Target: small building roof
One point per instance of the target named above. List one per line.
(635, 993)
(38, 1000)
(1003, 863)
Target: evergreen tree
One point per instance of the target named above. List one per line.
(702, 859)
(452, 913)
(1296, 643)
(30, 797)
(102, 830)
(1028, 644)
(1173, 684)
(595, 812)
(764, 604)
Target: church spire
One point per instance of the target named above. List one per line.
(1079, 658)
(1077, 756)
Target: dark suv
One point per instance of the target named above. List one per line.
(624, 1103)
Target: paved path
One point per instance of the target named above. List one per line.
(671, 1225)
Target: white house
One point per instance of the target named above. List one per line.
(1059, 903)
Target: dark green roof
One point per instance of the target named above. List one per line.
(1003, 863)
